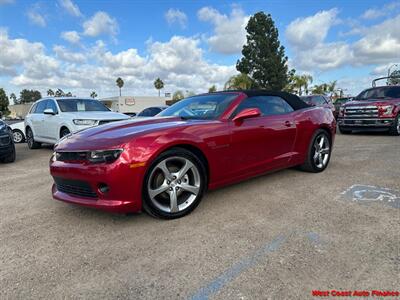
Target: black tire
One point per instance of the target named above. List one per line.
(395, 129)
(344, 131)
(22, 140)
(310, 164)
(148, 205)
(64, 132)
(30, 139)
(10, 158)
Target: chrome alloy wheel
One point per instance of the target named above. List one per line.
(17, 136)
(321, 151)
(29, 137)
(174, 184)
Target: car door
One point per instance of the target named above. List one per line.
(38, 119)
(264, 142)
(51, 122)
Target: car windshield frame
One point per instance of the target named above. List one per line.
(375, 95)
(217, 103)
(65, 105)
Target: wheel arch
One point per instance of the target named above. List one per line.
(61, 129)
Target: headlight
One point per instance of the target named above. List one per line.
(107, 156)
(85, 122)
(386, 110)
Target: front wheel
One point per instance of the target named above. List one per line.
(64, 132)
(31, 140)
(319, 153)
(174, 184)
(18, 136)
(395, 129)
(11, 157)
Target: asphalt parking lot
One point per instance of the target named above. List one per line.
(278, 236)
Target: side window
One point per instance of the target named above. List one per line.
(154, 111)
(41, 106)
(51, 104)
(268, 105)
(33, 108)
(145, 113)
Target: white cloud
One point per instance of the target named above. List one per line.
(101, 23)
(71, 36)
(308, 32)
(378, 44)
(374, 13)
(176, 16)
(71, 7)
(35, 17)
(178, 61)
(229, 33)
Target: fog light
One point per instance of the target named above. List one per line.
(104, 188)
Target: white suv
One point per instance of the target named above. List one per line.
(50, 119)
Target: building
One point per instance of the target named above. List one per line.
(19, 111)
(134, 104)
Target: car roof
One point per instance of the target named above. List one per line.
(293, 100)
(66, 98)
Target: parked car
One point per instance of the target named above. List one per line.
(7, 147)
(339, 102)
(374, 109)
(151, 111)
(50, 119)
(320, 100)
(18, 132)
(165, 164)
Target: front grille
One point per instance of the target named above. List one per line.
(101, 122)
(370, 111)
(71, 156)
(5, 140)
(75, 187)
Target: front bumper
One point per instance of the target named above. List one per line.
(366, 123)
(124, 185)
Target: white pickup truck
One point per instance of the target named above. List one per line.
(50, 119)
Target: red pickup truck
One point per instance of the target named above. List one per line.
(374, 109)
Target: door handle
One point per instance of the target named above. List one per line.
(288, 124)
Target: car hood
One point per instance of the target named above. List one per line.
(370, 102)
(116, 134)
(97, 115)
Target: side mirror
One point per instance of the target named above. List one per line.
(49, 111)
(247, 114)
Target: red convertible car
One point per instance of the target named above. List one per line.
(165, 164)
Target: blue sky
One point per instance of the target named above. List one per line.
(81, 46)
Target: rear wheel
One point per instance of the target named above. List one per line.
(344, 131)
(319, 153)
(11, 157)
(18, 136)
(31, 140)
(174, 184)
(395, 129)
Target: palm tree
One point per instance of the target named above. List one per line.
(158, 84)
(50, 92)
(212, 89)
(120, 84)
(239, 82)
(59, 93)
(93, 94)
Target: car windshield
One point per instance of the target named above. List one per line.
(385, 92)
(79, 105)
(204, 107)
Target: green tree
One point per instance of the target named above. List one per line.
(264, 58)
(13, 98)
(93, 95)
(158, 84)
(59, 93)
(178, 95)
(394, 78)
(212, 89)
(120, 84)
(50, 92)
(321, 89)
(292, 81)
(239, 82)
(69, 94)
(29, 96)
(4, 103)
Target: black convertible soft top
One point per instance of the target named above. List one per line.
(293, 100)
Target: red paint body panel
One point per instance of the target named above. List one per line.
(234, 150)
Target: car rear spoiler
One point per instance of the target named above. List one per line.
(381, 78)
